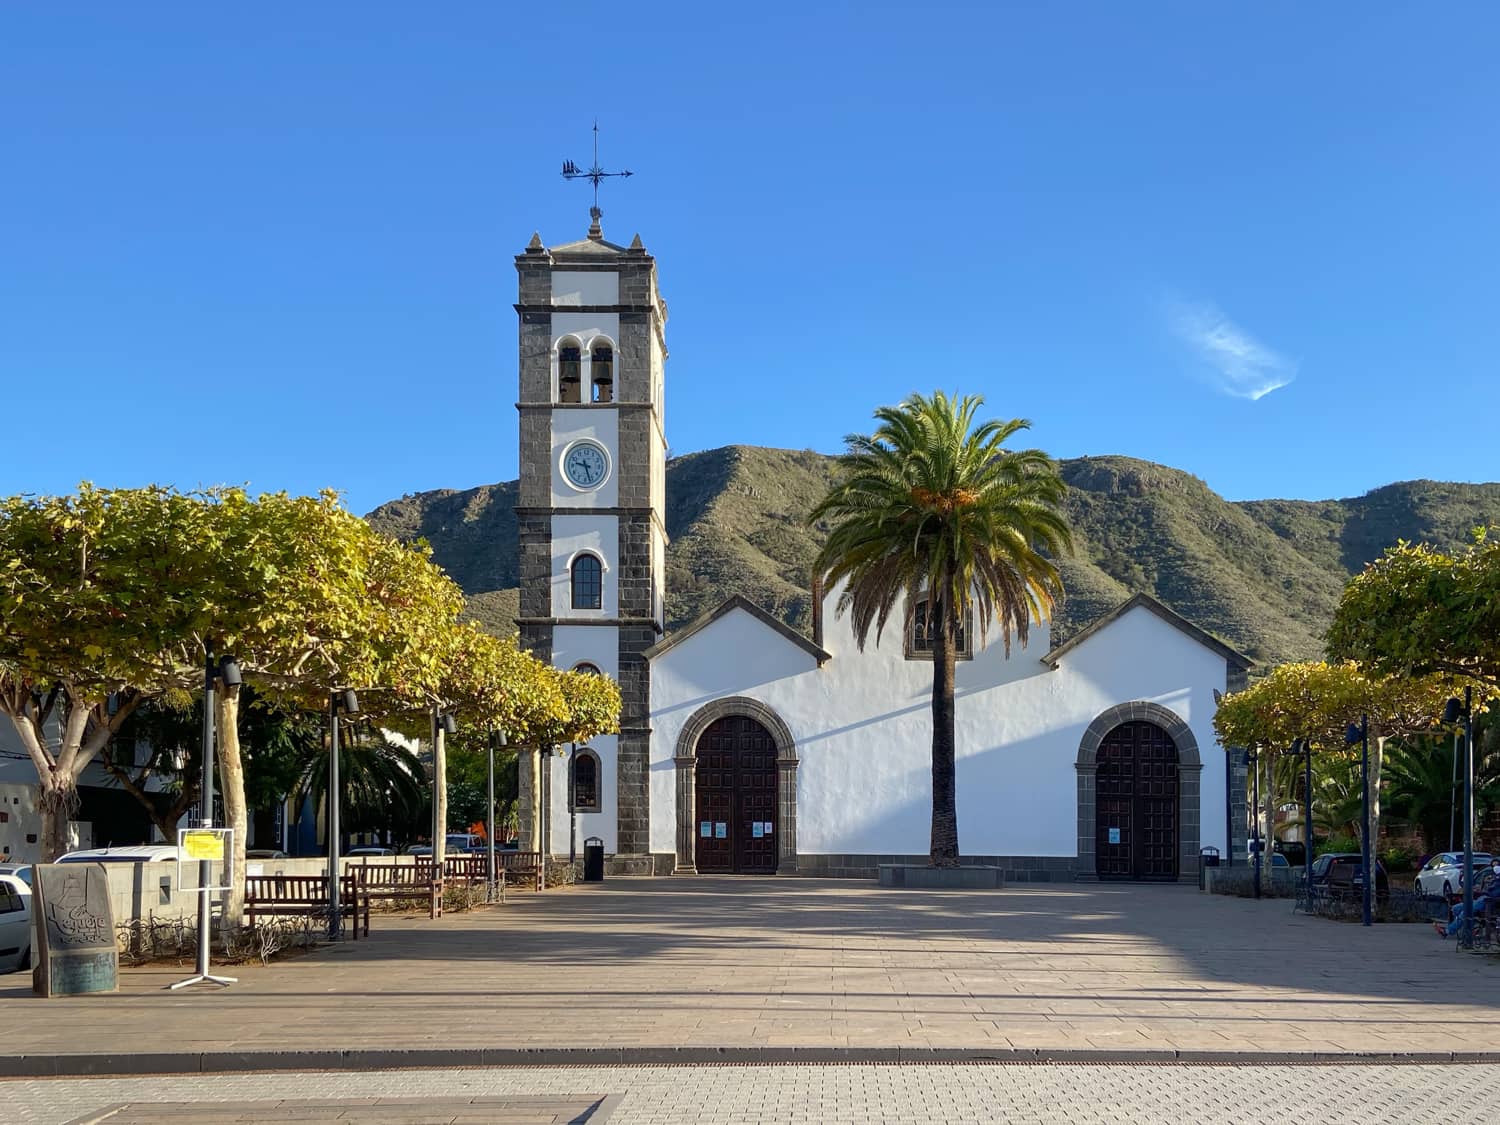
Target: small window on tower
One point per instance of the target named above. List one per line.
(588, 582)
(602, 371)
(569, 373)
(585, 780)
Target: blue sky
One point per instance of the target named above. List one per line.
(274, 244)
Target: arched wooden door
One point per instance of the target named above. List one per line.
(1137, 804)
(735, 786)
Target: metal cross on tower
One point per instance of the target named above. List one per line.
(594, 174)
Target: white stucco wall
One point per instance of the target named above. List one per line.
(589, 532)
(585, 287)
(863, 729)
(601, 426)
(600, 646)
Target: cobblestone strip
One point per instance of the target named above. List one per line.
(833, 1095)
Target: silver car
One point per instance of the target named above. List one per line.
(1443, 873)
(15, 924)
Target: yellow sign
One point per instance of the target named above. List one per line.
(203, 845)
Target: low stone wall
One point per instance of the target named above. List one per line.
(1013, 869)
(1275, 882)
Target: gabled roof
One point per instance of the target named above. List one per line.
(588, 248)
(728, 606)
(1176, 620)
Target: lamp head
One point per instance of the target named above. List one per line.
(449, 724)
(229, 672)
(501, 736)
(1453, 711)
(351, 702)
(1352, 734)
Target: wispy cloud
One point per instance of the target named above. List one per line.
(1235, 361)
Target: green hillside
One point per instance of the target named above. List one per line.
(1263, 574)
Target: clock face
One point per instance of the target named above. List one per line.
(585, 465)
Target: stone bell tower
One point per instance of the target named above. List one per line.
(591, 514)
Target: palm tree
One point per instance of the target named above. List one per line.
(934, 505)
(382, 781)
(1420, 781)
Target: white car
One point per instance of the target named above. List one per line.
(127, 853)
(15, 924)
(1443, 873)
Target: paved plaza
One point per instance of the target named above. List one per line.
(631, 967)
(797, 1095)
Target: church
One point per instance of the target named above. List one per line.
(746, 747)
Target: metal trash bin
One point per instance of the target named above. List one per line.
(1207, 857)
(593, 860)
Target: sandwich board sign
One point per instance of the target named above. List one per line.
(74, 945)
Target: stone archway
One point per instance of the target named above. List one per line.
(685, 759)
(1189, 767)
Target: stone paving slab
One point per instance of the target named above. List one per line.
(516, 1109)
(656, 969)
(844, 1095)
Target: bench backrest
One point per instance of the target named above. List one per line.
(300, 889)
(397, 875)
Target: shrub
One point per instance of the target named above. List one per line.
(1338, 844)
(1399, 859)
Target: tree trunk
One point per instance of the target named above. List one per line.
(232, 786)
(1268, 793)
(439, 796)
(944, 851)
(1377, 759)
(57, 800)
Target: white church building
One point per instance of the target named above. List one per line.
(748, 748)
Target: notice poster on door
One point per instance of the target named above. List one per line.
(768, 827)
(757, 830)
(706, 828)
(721, 830)
(1114, 835)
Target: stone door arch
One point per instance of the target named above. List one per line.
(685, 759)
(1189, 768)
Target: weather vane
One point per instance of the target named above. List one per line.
(571, 171)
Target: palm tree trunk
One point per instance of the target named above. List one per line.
(944, 851)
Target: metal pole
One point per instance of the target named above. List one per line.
(1368, 897)
(1229, 807)
(439, 794)
(489, 828)
(1466, 933)
(1307, 845)
(1255, 817)
(333, 815)
(205, 868)
(1453, 797)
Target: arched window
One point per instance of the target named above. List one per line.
(588, 582)
(587, 669)
(921, 636)
(585, 780)
(569, 372)
(602, 372)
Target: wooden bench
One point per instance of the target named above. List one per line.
(511, 867)
(397, 882)
(269, 896)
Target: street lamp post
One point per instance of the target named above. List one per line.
(1307, 819)
(349, 702)
(1360, 732)
(1452, 713)
(226, 669)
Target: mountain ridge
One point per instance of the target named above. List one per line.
(1263, 575)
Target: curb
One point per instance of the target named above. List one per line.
(225, 1062)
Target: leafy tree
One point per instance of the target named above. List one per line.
(1317, 701)
(1420, 784)
(1419, 610)
(172, 740)
(934, 504)
(97, 592)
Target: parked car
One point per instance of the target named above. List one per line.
(419, 849)
(264, 853)
(126, 853)
(15, 924)
(21, 871)
(1443, 873)
(365, 849)
(1336, 868)
(1294, 851)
